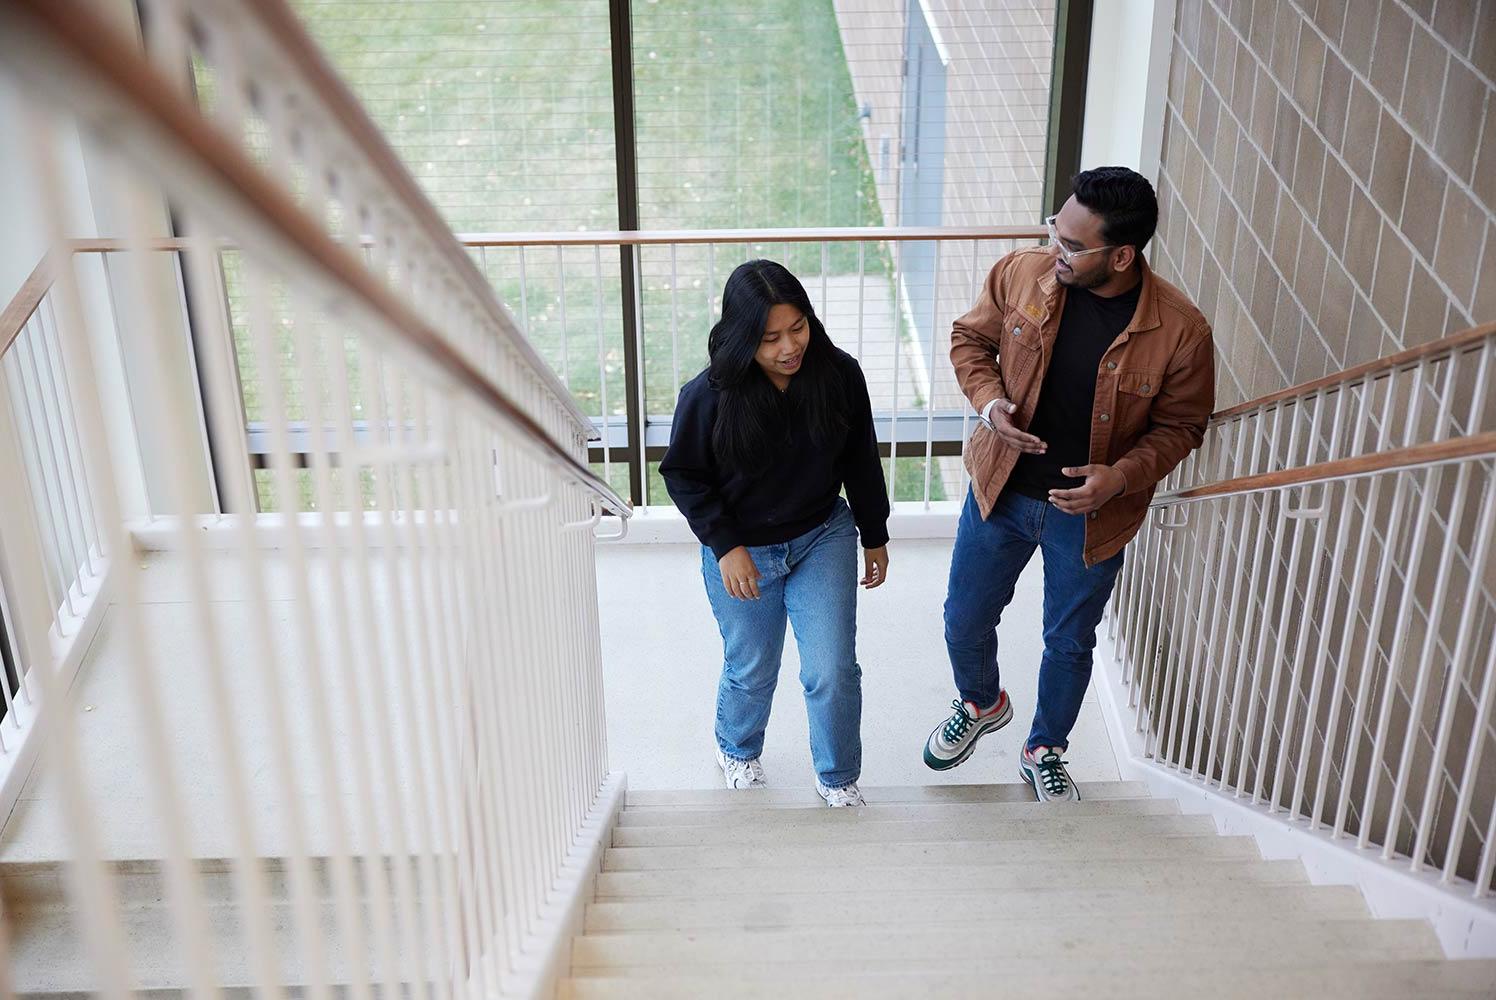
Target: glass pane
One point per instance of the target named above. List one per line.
(503, 109)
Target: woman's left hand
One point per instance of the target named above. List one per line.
(875, 562)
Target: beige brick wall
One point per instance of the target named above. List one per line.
(1328, 188)
(1327, 193)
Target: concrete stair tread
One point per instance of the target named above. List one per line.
(1015, 791)
(849, 859)
(939, 878)
(769, 911)
(1053, 829)
(1336, 979)
(1143, 942)
(938, 812)
(48, 954)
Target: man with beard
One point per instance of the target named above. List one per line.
(1093, 378)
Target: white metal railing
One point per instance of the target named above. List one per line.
(886, 295)
(61, 547)
(1429, 393)
(398, 713)
(1307, 620)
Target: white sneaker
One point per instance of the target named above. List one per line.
(741, 773)
(1045, 773)
(838, 798)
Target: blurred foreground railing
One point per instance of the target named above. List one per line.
(394, 736)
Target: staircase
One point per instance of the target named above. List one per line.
(976, 891)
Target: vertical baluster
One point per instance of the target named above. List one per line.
(602, 374)
(1433, 481)
(1306, 614)
(1428, 661)
(68, 435)
(561, 309)
(1188, 612)
(401, 548)
(1465, 639)
(674, 323)
(825, 306)
(1374, 628)
(1273, 664)
(27, 389)
(1246, 662)
(1140, 642)
(524, 296)
(1333, 595)
(894, 320)
(861, 296)
(930, 377)
(28, 447)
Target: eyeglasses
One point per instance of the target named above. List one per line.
(1066, 254)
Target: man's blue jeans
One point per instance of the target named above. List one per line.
(988, 557)
(812, 580)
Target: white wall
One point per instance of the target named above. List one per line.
(26, 231)
(1127, 84)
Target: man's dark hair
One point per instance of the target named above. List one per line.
(1125, 201)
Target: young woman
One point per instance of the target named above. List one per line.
(762, 444)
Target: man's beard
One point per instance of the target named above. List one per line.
(1086, 282)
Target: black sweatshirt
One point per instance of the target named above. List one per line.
(798, 489)
(1067, 396)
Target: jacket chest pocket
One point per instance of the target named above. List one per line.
(1018, 351)
(1138, 385)
(1136, 390)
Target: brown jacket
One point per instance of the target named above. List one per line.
(1154, 390)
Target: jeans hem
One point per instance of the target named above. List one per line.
(838, 782)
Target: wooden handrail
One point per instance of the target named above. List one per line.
(1401, 359)
(618, 237)
(23, 306)
(828, 234)
(105, 61)
(1430, 453)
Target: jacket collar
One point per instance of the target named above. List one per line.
(1145, 317)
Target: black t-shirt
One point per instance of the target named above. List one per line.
(1067, 397)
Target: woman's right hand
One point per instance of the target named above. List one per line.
(739, 574)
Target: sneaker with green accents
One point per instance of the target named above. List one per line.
(955, 738)
(1045, 773)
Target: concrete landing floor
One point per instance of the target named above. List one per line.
(662, 656)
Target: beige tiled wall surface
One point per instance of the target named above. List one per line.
(1328, 188)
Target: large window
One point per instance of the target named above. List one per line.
(747, 115)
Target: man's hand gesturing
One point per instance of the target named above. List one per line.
(999, 418)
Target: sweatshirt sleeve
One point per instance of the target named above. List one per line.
(691, 474)
(862, 469)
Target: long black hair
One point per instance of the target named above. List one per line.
(752, 415)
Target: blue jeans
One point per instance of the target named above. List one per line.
(988, 557)
(812, 580)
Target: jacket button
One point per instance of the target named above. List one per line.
(1144, 388)
(1105, 417)
(1017, 331)
(1111, 366)
(1092, 515)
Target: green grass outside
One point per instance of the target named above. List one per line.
(474, 94)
